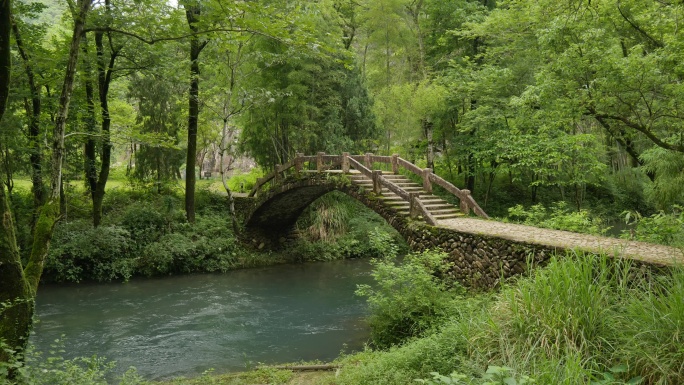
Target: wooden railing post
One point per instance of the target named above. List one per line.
(345, 162)
(377, 187)
(319, 161)
(413, 205)
(427, 185)
(465, 208)
(298, 163)
(395, 163)
(367, 160)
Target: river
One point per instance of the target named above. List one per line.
(184, 325)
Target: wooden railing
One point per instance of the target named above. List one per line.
(365, 165)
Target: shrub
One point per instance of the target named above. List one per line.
(664, 228)
(82, 252)
(146, 222)
(207, 246)
(337, 226)
(495, 375)
(443, 351)
(245, 182)
(408, 298)
(170, 254)
(559, 217)
(55, 370)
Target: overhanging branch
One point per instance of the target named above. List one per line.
(644, 130)
(178, 37)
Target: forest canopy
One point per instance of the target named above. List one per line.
(568, 97)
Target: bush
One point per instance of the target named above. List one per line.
(559, 217)
(245, 182)
(495, 375)
(147, 223)
(55, 370)
(409, 298)
(663, 228)
(207, 246)
(337, 226)
(82, 252)
(443, 351)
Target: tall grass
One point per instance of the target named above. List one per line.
(652, 335)
(580, 320)
(328, 218)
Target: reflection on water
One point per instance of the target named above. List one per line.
(185, 325)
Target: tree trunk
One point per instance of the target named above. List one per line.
(90, 160)
(192, 13)
(470, 169)
(16, 298)
(18, 288)
(104, 79)
(430, 155)
(5, 55)
(33, 110)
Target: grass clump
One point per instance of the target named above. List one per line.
(337, 226)
(653, 330)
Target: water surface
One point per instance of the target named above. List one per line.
(184, 325)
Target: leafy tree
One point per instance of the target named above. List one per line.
(158, 159)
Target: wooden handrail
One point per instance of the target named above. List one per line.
(410, 166)
(359, 167)
(467, 201)
(403, 194)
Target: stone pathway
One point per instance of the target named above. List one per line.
(647, 252)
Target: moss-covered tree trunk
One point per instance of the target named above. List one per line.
(16, 298)
(17, 286)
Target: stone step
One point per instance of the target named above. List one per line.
(398, 182)
(449, 216)
(439, 206)
(425, 199)
(443, 211)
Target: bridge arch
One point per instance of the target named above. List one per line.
(274, 214)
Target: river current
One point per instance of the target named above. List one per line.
(185, 325)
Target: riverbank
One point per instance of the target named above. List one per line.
(146, 234)
(260, 376)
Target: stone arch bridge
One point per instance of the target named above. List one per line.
(483, 250)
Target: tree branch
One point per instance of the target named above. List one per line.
(179, 37)
(644, 130)
(636, 27)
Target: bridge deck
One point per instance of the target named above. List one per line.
(646, 252)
